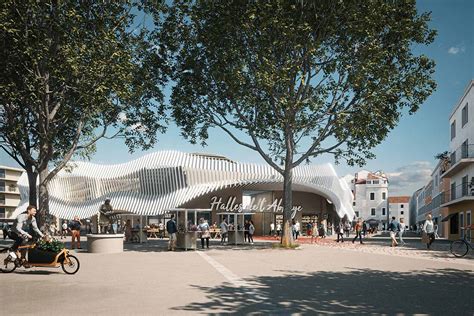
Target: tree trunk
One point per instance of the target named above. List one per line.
(43, 210)
(287, 236)
(32, 176)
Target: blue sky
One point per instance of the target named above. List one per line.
(407, 154)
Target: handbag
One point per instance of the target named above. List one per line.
(205, 234)
(424, 238)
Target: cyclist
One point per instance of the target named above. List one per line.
(21, 228)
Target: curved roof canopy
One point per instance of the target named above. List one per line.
(165, 180)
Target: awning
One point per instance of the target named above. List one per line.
(449, 216)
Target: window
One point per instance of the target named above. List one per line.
(372, 196)
(401, 212)
(453, 129)
(357, 214)
(464, 115)
(383, 210)
(372, 211)
(2, 173)
(465, 182)
(2, 199)
(461, 223)
(453, 191)
(464, 149)
(369, 182)
(354, 203)
(2, 186)
(2, 212)
(401, 205)
(384, 195)
(375, 182)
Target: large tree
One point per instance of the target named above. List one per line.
(299, 78)
(73, 72)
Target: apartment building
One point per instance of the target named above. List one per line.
(399, 207)
(9, 193)
(370, 190)
(432, 196)
(459, 199)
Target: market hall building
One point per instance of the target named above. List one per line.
(160, 182)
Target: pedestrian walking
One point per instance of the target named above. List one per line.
(246, 231)
(297, 229)
(347, 228)
(358, 231)
(64, 230)
(393, 228)
(224, 230)
(172, 229)
(75, 228)
(364, 229)
(5, 229)
(272, 229)
(401, 230)
(314, 233)
(278, 229)
(340, 232)
(205, 233)
(127, 229)
(251, 231)
(428, 229)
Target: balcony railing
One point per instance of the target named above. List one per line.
(436, 202)
(462, 152)
(460, 191)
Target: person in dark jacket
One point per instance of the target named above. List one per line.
(75, 228)
(172, 229)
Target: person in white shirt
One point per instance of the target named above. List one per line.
(401, 230)
(428, 229)
(278, 229)
(272, 229)
(224, 229)
(297, 229)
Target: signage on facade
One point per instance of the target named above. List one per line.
(254, 206)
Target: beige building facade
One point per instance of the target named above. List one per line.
(9, 192)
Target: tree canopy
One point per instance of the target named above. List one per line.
(299, 78)
(73, 72)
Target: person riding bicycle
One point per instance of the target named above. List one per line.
(21, 228)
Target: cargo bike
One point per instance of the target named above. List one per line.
(33, 255)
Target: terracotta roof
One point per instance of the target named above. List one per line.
(372, 176)
(398, 199)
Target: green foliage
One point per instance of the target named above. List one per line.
(73, 72)
(299, 78)
(53, 246)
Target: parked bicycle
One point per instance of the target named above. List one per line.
(33, 257)
(460, 247)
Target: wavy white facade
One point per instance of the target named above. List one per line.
(161, 181)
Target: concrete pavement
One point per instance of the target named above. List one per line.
(315, 279)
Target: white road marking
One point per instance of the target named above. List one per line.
(226, 273)
(250, 289)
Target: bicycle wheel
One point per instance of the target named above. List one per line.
(70, 264)
(459, 248)
(7, 263)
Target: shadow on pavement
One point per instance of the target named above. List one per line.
(440, 292)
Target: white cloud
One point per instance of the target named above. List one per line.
(453, 50)
(405, 180)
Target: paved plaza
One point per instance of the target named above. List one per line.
(325, 277)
